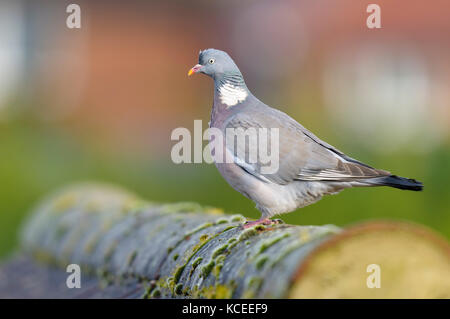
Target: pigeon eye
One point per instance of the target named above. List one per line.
(211, 61)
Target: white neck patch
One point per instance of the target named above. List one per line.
(231, 95)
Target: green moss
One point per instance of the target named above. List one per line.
(167, 283)
(155, 293)
(236, 218)
(106, 278)
(246, 234)
(197, 262)
(223, 292)
(178, 289)
(152, 285)
(163, 283)
(194, 292)
(217, 259)
(197, 229)
(220, 259)
(217, 269)
(254, 283)
(200, 244)
(195, 265)
(260, 227)
(221, 221)
(218, 251)
(194, 251)
(261, 262)
(219, 292)
(206, 270)
(266, 244)
(178, 272)
(228, 228)
(219, 265)
(175, 257)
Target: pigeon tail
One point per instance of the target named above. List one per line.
(396, 182)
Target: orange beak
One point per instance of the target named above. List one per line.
(195, 69)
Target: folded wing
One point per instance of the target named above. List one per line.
(302, 155)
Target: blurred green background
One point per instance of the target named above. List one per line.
(99, 103)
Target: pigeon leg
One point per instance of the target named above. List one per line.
(261, 221)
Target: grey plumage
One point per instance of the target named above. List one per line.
(308, 167)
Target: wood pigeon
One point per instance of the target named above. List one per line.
(307, 167)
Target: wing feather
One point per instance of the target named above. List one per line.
(302, 155)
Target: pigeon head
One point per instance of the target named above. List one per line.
(228, 81)
(216, 64)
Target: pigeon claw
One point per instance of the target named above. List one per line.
(262, 221)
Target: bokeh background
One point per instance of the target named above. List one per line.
(99, 103)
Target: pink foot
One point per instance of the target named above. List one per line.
(261, 221)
